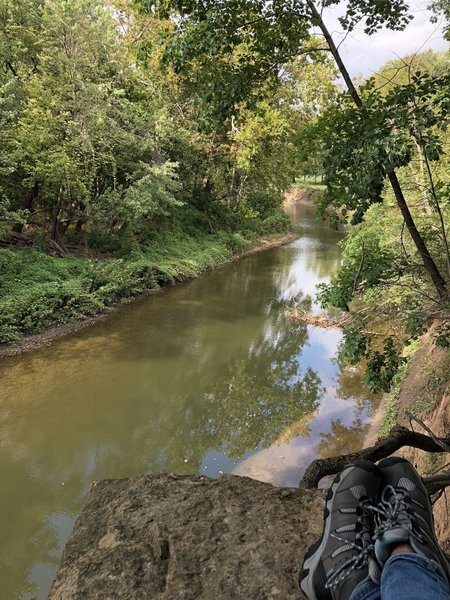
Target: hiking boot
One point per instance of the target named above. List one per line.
(405, 514)
(343, 556)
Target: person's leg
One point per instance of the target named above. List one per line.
(406, 546)
(343, 557)
(366, 590)
(410, 576)
(406, 516)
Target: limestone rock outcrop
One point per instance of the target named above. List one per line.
(166, 537)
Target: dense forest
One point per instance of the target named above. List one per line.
(114, 176)
(143, 142)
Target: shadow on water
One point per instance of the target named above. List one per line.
(206, 377)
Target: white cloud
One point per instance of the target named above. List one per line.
(364, 54)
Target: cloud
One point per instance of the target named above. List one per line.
(363, 54)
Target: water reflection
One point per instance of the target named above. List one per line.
(206, 377)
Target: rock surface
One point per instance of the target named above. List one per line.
(189, 537)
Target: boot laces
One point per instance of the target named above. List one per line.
(393, 511)
(363, 547)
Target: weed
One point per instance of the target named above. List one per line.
(391, 405)
(38, 291)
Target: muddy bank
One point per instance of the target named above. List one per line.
(45, 338)
(190, 537)
(299, 195)
(425, 393)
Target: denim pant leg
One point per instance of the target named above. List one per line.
(366, 590)
(408, 576)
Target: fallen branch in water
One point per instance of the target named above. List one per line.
(326, 321)
(318, 320)
(399, 437)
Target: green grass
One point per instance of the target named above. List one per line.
(389, 419)
(38, 291)
(434, 461)
(310, 183)
(311, 186)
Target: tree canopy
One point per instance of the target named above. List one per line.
(121, 119)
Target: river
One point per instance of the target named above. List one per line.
(206, 377)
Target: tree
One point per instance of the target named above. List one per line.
(442, 7)
(82, 133)
(271, 34)
(406, 114)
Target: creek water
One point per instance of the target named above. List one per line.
(207, 377)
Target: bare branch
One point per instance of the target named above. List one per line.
(437, 483)
(399, 437)
(444, 446)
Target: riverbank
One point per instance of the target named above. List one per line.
(425, 393)
(421, 389)
(51, 297)
(302, 195)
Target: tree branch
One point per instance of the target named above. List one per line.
(437, 483)
(399, 437)
(445, 447)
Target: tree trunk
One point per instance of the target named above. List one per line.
(398, 438)
(428, 262)
(18, 227)
(56, 234)
(81, 219)
(433, 271)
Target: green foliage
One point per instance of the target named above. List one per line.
(392, 14)
(355, 345)
(382, 366)
(104, 151)
(391, 402)
(360, 146)
(442, 338)
(401, 125)
(38, 291)
(232, 50)
(367, 263)
(99, 143)
(151, 192)
(279, 223)
(442, 7)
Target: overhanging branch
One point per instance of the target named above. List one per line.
(399, 437)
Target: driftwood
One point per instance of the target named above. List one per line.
(59, 248)
(399, 437)
(322, 320)
(318, 320)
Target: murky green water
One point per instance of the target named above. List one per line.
(206, 377)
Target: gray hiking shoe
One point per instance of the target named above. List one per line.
(405, 514)
(343, 556)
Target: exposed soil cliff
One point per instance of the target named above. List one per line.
(299, 195)
(425, 393)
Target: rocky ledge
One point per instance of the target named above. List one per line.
(172, 537)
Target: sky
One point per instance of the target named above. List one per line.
(363, 54)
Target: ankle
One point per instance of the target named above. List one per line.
(401, 548)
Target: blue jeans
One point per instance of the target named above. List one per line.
(406, 576)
